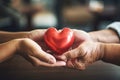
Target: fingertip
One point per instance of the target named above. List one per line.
(62, 57)
(61, 63)
(49, 58)
(52, 60)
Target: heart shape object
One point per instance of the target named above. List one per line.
(59, 41)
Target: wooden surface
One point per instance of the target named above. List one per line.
(19, 69)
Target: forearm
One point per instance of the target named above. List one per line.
(7, 36)
(34, 35)
(111, 53)
(8, 49)
(105, 36)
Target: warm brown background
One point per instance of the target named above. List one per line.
(19, 69)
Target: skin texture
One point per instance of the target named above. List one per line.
(111, 53)
(87, 48)
(98, 45)
(105, 36)
(28, 45)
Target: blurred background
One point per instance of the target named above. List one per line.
(88, 15)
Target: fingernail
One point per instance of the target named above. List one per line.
(63, 63)
(63, 58)
(51, 61)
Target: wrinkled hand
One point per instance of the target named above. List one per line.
(84, 51)
(83, 55)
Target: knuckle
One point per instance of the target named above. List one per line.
(80, 65)
(81, 52)
(68, 55)
(24, 40)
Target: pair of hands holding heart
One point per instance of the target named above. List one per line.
(62, 43)
(71, 48)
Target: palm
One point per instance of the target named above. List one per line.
(38, 36)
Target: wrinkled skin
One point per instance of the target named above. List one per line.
(84, 51)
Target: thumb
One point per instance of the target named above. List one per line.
(77, 52)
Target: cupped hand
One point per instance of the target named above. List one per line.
(32, 52)
(38, 36)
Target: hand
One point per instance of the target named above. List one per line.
(105, 36)
(80, 37)
(30, 50)
(37, 36)
(83, 55)
(84, 51)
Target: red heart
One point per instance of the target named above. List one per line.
(59, 41)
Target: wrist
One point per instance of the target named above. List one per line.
(17, 43)
(115, 35)
(102, 51)
(93, 36)
(36, 34)
(11, 50)
(20, 45)
(23, 34)
(8, 36)
(18, 35)
(105, 36)
(111, 53)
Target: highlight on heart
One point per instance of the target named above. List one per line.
(59, 41)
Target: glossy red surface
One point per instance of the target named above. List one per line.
(59, 41)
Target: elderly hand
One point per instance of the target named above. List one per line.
(83, 55)
(84, 51)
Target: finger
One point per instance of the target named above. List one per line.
(35, 50)
(69, 64)
(59, 63)
(37, 62)
(42, 55)
(72, 54)
(79, 64)
(74, 63)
